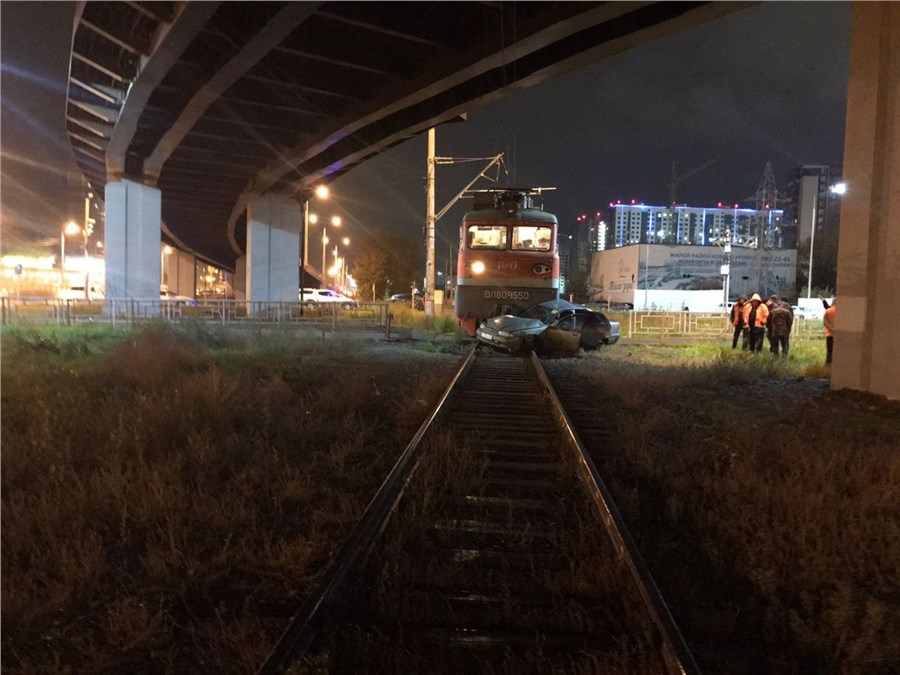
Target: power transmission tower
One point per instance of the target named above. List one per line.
(766, 200)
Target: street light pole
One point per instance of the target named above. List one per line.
(838, 189)
(62, 260)
(647, 267)
(69, 228)
(346, 243)
(336, 222)
(303, 249)
(812, 241)
(321, 192)
(86, 232)
(324, 244)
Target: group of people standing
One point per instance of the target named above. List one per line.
(755, 320)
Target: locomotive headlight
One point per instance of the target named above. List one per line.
(477, 267)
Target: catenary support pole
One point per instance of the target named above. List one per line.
(429, 228)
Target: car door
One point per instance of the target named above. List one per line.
(594, 329)
(561, 335)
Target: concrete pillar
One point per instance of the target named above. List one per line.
(239, 284)
(132, 240)
(273, 248)
(867, 342)
(181, 267)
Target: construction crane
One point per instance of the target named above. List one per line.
(675, 179)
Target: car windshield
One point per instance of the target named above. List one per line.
(542, 314)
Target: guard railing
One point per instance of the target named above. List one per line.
(116, 311)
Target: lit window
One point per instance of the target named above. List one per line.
(487, 236)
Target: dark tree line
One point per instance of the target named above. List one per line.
(389, 263)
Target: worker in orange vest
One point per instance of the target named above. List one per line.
(737, 320)
(756, 314)
(828, 322)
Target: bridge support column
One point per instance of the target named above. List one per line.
(867, 339)
(132, 240)
(273, 249)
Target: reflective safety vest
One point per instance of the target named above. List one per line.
(828, 322)
(737, 315)
(762, 314)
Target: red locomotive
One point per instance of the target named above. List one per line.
(508, 259)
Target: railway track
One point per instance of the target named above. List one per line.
(493, 546)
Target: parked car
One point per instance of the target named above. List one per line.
(552, 326)
(817, 313)
(408, 299)
(77, 293)
(313, 296)
(174, 298)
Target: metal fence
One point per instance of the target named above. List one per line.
(661, 325)
(331, 316)
(18, 310)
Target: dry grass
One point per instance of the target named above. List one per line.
(766, 505)
(167, 505)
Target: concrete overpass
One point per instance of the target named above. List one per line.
(215, 119)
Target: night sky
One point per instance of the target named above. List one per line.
(767, 83)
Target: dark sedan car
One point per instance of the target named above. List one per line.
(553, 326)
(407, 298)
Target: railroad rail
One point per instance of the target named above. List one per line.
(493, 544)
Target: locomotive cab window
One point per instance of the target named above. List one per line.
(486, 236)
(531, 238)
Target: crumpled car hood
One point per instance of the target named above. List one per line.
(514, 324)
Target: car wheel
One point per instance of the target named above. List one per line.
(528, 344)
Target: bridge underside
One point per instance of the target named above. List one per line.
(216, 103)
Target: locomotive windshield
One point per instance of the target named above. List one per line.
(487, 236)
(531, 238)
(524, 237)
